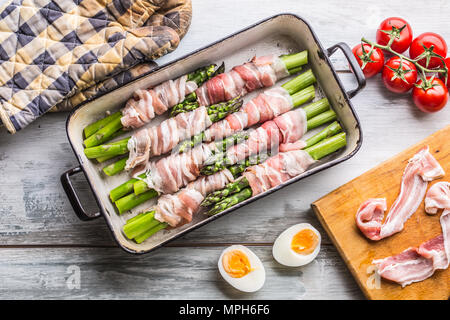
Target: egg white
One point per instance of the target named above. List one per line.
(283, 253)
(251, 282)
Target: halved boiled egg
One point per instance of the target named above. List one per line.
(297, 245)
(241, 268)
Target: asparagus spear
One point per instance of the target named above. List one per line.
(141, 188)
(317, 151)
(145, 225)
(124, 189)
(116, 167)
(102, 130)
(108, 150)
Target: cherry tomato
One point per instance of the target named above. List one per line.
(399, 75)
(370, 61)
(429, 39)
(398, 28)
(432, 97)
(447, 64)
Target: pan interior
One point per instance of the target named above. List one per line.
(278, 35)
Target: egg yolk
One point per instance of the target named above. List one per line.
(236, 263)
(305, 242)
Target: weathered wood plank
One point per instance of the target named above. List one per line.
(169, 273)
(35, 209)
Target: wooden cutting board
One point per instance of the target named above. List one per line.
(336, 211)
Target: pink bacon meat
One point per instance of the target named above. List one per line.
(182, 205)
(417, 264)
(277, 169)
(258, 73)
(148, 103)
(160, 139)
(266, 106)
(421, 169)
(169, 174)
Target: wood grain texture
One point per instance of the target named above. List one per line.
(37, 224)
(337, 212)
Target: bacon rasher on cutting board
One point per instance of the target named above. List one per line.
(258, 73)
(266, 106)
(272, 172)
(169, 174)
(421, 169)
(277, 169)
(417, 264)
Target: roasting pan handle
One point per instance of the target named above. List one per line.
(73, 197)
(353, 64)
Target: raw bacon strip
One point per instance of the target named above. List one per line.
(169, 174)
(182, 205)
(258, 73)
(277, 169)
(438, 197)
(266, 106)
(417, 264)
(145, 104)
(421, 168)
(160, 139)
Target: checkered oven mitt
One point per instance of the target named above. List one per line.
(56, 54)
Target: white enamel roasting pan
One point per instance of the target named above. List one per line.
(283, 33)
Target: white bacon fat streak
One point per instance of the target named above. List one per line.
(146, 104)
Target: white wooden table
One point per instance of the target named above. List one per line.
(43, 244)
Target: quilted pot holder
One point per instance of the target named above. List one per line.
(56, 54)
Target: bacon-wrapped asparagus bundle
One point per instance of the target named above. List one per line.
(173, 209)
(169, 174)
(146, 103)
(269, 104)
